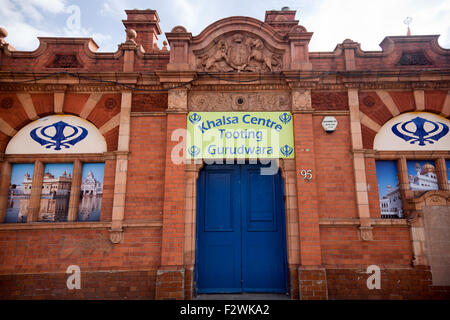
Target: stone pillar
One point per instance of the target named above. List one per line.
(405, 192)
(307, 200)
(74, 201)
(59, 102)
(359, 167)
(191, 176)
(120, 184)
(5, 182)
(170, 276)
(36, 189)
(298, 41)
(179, 40)
(288, 171)
(129, 50)
(349, 47)
(441, 171)
(146, 24)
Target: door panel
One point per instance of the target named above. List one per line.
(263, 249)
(218, 232)
(240, 231)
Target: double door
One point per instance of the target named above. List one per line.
(241, 242)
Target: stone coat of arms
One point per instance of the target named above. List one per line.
(240, 53)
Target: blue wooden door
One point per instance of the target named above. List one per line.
(241, 243)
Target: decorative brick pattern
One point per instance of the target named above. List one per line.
(329, 100)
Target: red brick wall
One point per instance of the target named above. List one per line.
(329, 100)
(396, 283)
(103, 285)
(53, 251)
(334, 170)
(101, 113)
(342, 247)
(33, 263)
(108, 190)
(43, 103)
(15, 116)
(378, 112)
(145, 191)
(74, 102)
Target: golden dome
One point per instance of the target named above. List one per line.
(428, 167)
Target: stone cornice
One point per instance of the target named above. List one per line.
(77, 225)
(165, 80)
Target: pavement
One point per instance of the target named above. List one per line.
(243, 296)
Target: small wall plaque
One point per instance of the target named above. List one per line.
(329, 124)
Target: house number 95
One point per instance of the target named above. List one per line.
(306, 174)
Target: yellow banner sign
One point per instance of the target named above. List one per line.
(263, 135)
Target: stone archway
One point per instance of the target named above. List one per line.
(287, 167)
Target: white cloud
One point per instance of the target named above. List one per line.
(20, 17)
(369, 22)
(332, 21)
(53, 6)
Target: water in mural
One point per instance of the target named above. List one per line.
(19, 192)
(91, 192)
(422, 175)
(389, 191)
(447, 162)
(56, 192)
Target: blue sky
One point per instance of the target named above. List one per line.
(411, 164)
(57, 169)
(98, 169)
(19, 170)
(448, 169)
(386, 175)
(332, 21)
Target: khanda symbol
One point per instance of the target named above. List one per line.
(58, 137)
(194, 151)
(285, 118)
(436, 131)
(286, 150)
(194, 118)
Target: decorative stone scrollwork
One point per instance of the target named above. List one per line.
(218, 101)
(179, 29)
(65, 61)
(241, 53)
(413, 59)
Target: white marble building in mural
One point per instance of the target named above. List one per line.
(391, 204)
(91, 186)
(425, 178)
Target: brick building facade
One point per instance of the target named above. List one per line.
(144, 244)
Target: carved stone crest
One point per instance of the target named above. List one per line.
(65, 61)
(413, 59)
(241, 53)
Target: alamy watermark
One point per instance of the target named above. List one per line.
(374, 281)
(74, 280)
